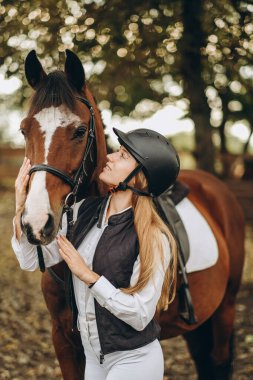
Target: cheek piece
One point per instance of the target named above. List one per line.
(123, 186)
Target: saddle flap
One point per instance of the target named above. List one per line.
(165, 205)
(166, 208)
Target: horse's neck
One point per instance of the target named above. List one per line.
(96, 186)
(92, 186)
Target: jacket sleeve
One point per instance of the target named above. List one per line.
(139, 308)
(26, 253)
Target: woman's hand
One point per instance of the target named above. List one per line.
(21, 185)
(75, 261)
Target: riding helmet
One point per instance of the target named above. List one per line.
(159, 159)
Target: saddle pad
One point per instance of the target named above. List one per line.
(203, 245)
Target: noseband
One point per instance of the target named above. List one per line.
(81, 173)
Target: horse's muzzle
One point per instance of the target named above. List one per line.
(44, 236)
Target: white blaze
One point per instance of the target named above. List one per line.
(37, 205)
(52, 118)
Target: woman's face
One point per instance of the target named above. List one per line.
(119, 165)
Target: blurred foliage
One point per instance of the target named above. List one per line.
(131, 45)
(144, 54)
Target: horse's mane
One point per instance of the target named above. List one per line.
(53, 91)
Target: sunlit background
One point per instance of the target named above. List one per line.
(169, 120)
(142, 62)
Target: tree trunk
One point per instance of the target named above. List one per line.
(193, 40)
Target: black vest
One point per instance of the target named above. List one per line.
(114, 258)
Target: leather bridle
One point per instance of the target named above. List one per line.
(81, 173)
(74, 183)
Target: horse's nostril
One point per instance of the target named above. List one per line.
(49, 226)
(28, 231)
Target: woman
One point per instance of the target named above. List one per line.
(125, 266)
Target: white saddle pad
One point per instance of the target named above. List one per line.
(203, 245)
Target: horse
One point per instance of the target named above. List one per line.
(56, 130)
(61, 121)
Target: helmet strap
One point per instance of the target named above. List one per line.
(123, 186)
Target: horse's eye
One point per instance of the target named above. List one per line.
(79, 132)
(23, 131)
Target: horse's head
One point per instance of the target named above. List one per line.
(62, 130)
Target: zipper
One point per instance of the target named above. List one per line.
(100, 335)
(102, 357)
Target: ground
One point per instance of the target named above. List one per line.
(26, 349)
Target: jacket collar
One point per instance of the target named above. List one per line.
(121, 217)
(114, 219)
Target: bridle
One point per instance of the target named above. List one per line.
(75, 182)
(81, 173)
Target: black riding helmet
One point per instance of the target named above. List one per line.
(156, 157)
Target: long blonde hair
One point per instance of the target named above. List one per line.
(149, 228)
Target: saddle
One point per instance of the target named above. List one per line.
(165, 205)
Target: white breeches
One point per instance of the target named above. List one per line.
(144, 363)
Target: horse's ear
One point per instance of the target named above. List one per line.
(74, 70)
(33, 70)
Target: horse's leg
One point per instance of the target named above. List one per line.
(69, 353)
(211, 345)
(67, 344)
(223, 338)
(199, 342)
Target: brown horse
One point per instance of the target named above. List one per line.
(56, 132)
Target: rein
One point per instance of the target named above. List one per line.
(74, 183)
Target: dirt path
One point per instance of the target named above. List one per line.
(25, 345)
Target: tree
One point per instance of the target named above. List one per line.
(199, 51)
(192, 42)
